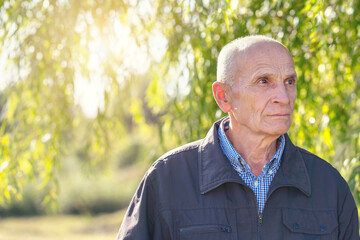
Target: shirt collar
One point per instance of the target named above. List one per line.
(215, 169)
(236, 159)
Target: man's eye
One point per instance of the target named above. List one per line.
(263, 81)
(290, 81)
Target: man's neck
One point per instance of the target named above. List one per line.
(257, 150)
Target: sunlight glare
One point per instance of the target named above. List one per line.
(89, 94)
(117, 46)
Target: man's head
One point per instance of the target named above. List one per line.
(256, 85)
(232, 53)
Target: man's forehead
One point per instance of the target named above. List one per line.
(271, 71)
(268, 62)
(268, 71)
(266, 54)
(261, 48)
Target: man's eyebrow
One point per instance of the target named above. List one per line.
(264, 75)
(271, 75)
(294, 75)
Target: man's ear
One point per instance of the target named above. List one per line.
(221, 96)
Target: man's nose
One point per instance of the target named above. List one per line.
(281, 94)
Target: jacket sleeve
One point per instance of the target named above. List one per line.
(348, 218)
(138, 221)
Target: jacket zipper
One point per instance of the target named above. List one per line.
(260, 218)
(259, 215)
(206, 228)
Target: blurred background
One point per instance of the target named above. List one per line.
(92, 92)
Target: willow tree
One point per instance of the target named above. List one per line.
(51, 49)
(323, 37)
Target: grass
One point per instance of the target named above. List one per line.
(70, 227)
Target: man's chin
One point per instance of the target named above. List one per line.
(278, 131)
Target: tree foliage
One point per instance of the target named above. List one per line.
(151, 64)
(323, 37)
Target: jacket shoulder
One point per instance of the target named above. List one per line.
(319, 166)
(177, 152)
(309, 156)
(176, 158)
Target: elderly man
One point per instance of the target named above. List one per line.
(245, 179)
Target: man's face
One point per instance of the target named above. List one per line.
(263, 94)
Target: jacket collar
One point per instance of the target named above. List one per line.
(215, 169)
(292, 171)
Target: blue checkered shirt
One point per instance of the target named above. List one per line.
(260, 185)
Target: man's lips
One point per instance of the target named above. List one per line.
(279, 115)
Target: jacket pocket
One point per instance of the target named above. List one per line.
(205, 224)
(205, 229)
(308, 224)
(212, 231)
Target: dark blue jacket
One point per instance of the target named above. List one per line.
(193, 192)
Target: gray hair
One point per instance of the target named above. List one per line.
(228, 58)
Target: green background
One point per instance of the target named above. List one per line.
(93, 91)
